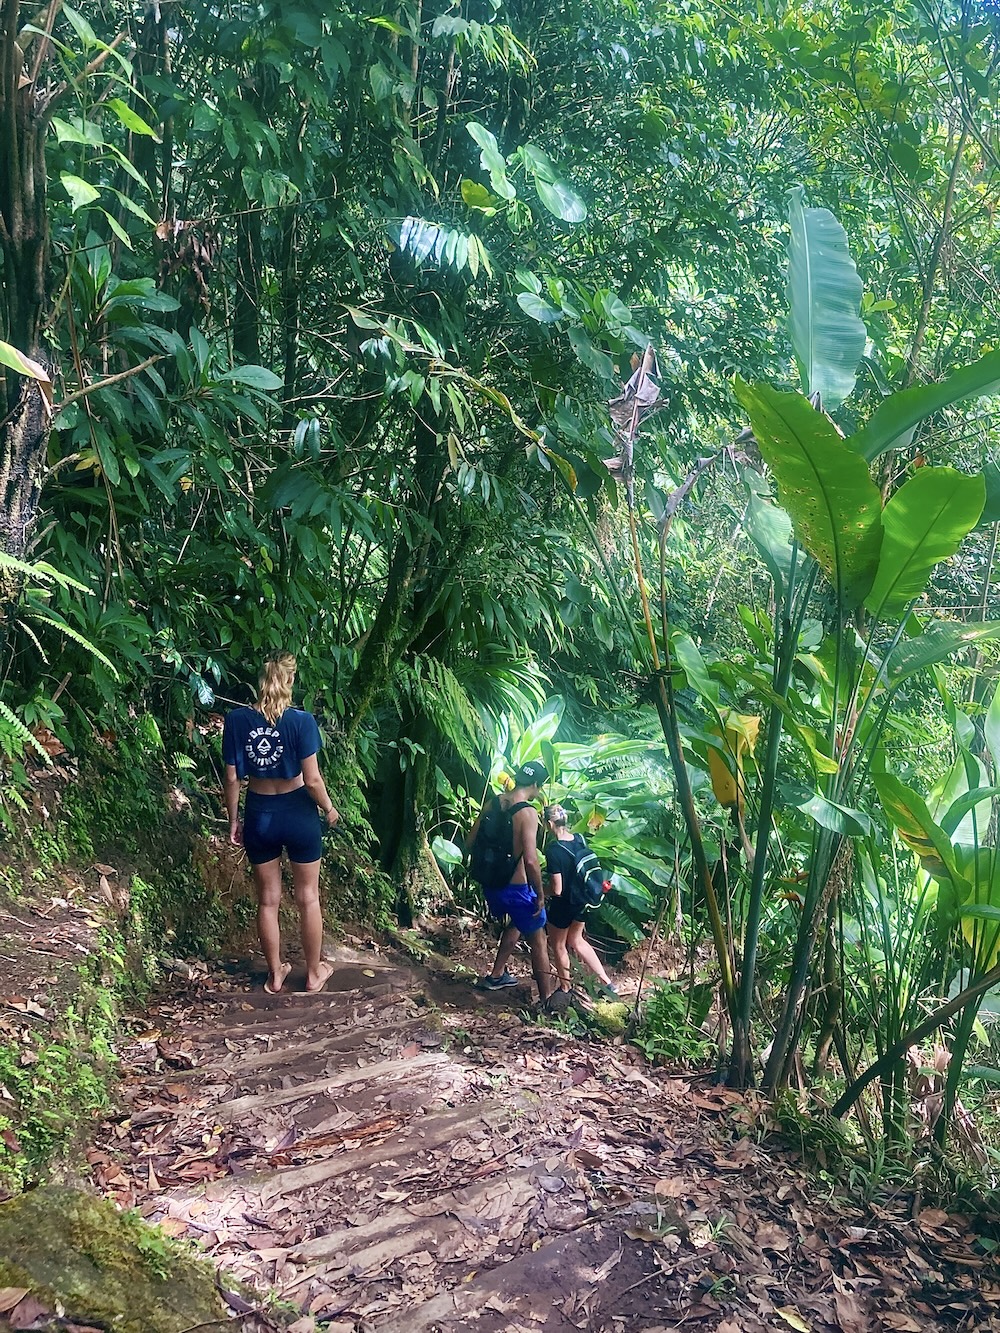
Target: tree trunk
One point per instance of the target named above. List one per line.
(24, 243)
(289, 316)
(246, 303)
(394, 625)
(419, 883)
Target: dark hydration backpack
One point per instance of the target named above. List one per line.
(590, 885)
(492, 862)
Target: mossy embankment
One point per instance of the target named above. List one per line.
(81, 1259)
(112, 866)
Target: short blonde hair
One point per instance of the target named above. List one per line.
(274, 692)
(555, 814)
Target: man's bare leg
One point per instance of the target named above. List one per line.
(508, 943)
(540, 965)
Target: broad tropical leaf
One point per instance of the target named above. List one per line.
(895, 420)
(991, 729)
(952, 820)
(832, 501)
(926, 839)
(770, 530)
(838, 818)
(824, 297)
(24, 365)
(923, 524)
(940, 641)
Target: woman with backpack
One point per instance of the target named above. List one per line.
(567, 908)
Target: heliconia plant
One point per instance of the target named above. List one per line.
(829, 526)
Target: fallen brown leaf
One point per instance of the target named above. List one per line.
(11, 1296)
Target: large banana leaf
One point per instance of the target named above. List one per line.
(825, 487)
(940, 641)
(923, 524)
(900, 413)
(824, 296)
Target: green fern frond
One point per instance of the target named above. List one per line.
(622, 924)
(23, 625)
(73, 634)
(21, 731)
(41, 572)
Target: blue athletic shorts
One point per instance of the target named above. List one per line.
(520, 902)
(289, 821)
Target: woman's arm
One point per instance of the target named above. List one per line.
(316, 788)
(232, 793)
(555, 884)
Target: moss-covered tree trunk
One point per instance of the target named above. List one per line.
(394, 625)
(24, 245)
(418, 879)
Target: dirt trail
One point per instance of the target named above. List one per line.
(402, 1154)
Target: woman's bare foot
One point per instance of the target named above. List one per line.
(316, 982)
(274, 984)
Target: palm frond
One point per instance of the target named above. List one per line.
(437, 692)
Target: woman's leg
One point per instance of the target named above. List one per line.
(306, 880)
(583, 949)
(557, 938)
(267, 878)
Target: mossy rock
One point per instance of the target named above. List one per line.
(610, 1016)
(78, 1252)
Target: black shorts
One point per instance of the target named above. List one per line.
(562, 912)
(289, 821)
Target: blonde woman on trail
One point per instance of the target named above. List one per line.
(565, 909)
(275, 746)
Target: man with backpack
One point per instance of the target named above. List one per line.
(504, 846)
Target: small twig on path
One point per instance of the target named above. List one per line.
(657, 1272)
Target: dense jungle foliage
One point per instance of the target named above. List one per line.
(311, 316)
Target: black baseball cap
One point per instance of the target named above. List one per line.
(532, 774)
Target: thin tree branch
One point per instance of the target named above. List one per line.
(112, 379)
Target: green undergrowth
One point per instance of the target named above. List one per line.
(100, 834)
(669, 1026)
(57, 1076)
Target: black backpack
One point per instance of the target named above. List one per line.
(492, 862)
(588, 885)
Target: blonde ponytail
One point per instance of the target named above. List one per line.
(274, 692)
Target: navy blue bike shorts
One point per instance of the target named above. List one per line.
(289, 821)
(521, 903)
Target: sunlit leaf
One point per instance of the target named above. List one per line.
(538, 309)
(834, 505)
(561, 201)
(824, 296)
(81, 192)
(923, 524)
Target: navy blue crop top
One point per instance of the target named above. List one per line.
(259, 749)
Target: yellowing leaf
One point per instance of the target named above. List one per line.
(793, 1319)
